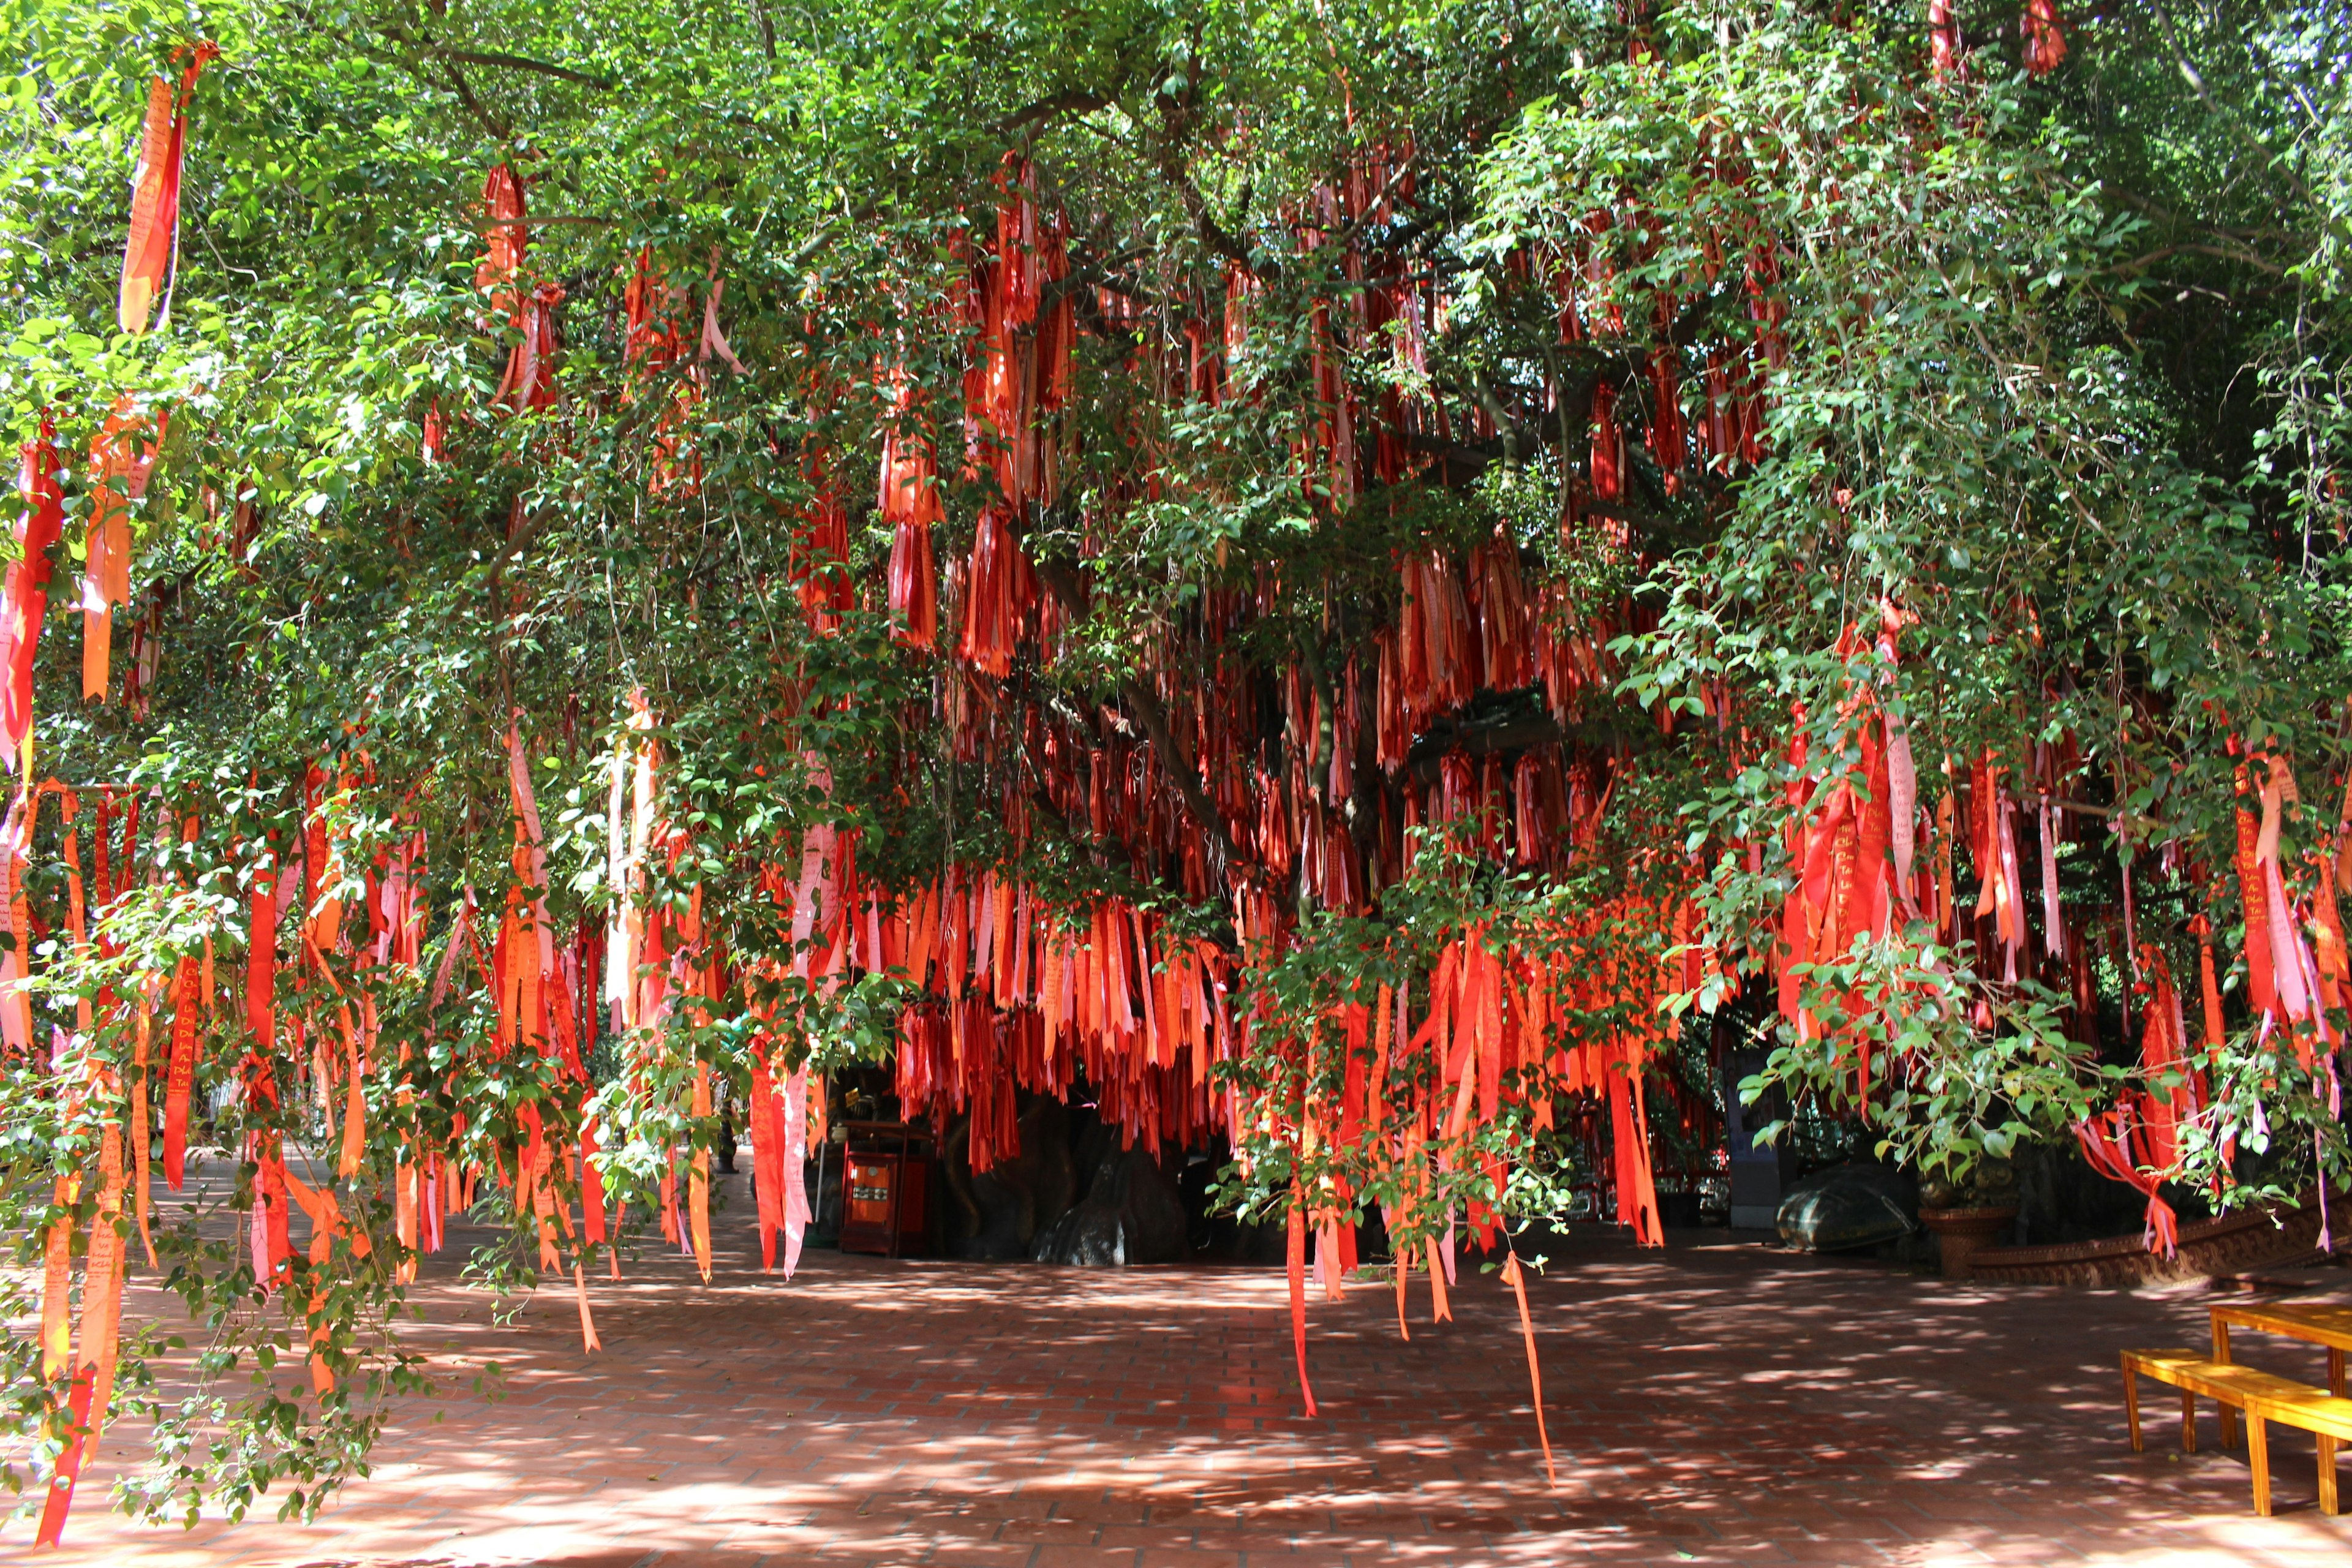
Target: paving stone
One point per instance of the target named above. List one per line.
(1714, 1404)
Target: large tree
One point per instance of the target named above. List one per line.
(1336, 573)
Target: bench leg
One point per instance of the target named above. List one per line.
(2328, 1503)
(2258, 1450)
(2188, 1421)
(2228, 1418)
(2131, 1402)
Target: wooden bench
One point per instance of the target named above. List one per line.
(2263, 1396)
(2314, 1322)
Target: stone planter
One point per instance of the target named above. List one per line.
(1960, 1232)
(2227, 1244)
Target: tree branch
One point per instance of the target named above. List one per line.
(2226, 253)
(767, 29)
(1214, 234)
(1145, 705)
(1075, 101)
(522, 63)
(1043, 804)
(1516, 732)
(1176, 122)
(1355, 229)
(1516, 444)
(498, 129)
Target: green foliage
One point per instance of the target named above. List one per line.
(2064, 382)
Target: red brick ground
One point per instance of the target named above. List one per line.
(1715, 1404)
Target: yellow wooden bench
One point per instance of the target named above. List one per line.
(2324, 1323)
(2263, 1396)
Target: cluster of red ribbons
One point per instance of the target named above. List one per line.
(121, 456)
(526, 307)
(151, 254)
(1203, 774)
(2038, 25)
(87, 1086)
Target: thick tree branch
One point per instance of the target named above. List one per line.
(1076, 101)
(522, 63)
(1196, 206)
(767, 29)
(498, 129)
(1517, 443)
(1042, 805)
(1145, 705)
(1477, 738)
(2238, 254)
(1176, 120)
(1355, 229)
(809, 248)
(2163, 214)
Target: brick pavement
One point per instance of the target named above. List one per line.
(1717, 1403)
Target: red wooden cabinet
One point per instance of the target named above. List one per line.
(886, 1189)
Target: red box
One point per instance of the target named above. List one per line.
(884, 1203)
